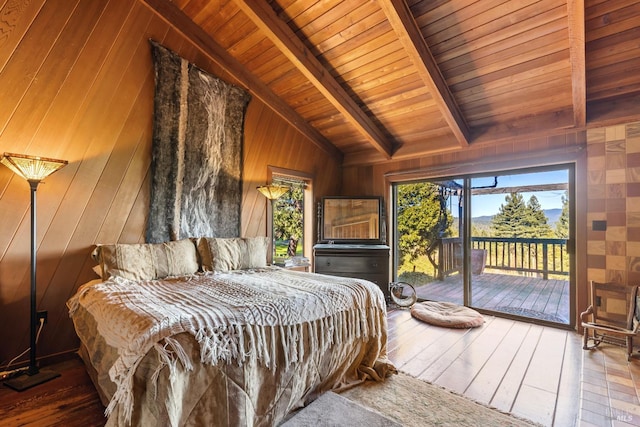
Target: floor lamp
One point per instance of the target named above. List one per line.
(33, 169)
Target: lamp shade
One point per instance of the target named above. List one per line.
(31, 168)
(273, 192)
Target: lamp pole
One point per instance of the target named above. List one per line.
(33, 367)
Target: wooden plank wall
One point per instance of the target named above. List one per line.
(76, 81)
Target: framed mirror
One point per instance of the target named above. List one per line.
(351, 220)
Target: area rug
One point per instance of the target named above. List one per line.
(331, 409)
(412, 402)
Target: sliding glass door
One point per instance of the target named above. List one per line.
(497, 242)
(428, 238)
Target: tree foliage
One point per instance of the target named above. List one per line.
(422, 219)
(562, 226)
(288, 214)
(515, 218)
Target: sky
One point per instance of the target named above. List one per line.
(488, 205)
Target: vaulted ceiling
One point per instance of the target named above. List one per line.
(371, 80)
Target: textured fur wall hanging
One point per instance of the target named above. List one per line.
(196, 165)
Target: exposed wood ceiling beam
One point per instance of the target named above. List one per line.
(575, 15)
(181, 22)
(408, 32)
(265, 18)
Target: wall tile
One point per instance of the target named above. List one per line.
(597, 261)
(597, 205)
(633, 248)
(633, 189)
(615, 146)
(633, 204)
(617, 234)
(615, 191)
(633, 277)
(616, 219)
(633, 138)
(633, 234)
(596, 136)
(615, 248)
(617, 276)
(633, 174)
(618, 204)
(616, 262)
(597, 274)
(598, 191)
(615, 133)
(616, 176)
(596, 177)
(633, 219)
(596, 248)
(596, 163)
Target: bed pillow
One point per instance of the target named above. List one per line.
(147, 261)
(232, 253)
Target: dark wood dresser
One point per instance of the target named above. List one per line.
(370, 262)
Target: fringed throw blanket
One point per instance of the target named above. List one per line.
(233, 316)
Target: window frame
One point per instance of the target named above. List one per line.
(276, 173)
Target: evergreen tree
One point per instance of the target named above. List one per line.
(508, 222)
(517, 219)
(536, 224)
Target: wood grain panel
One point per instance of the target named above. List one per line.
(79, 83)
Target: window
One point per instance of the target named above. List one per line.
(291, 217)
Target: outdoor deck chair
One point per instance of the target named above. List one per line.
(613, 316)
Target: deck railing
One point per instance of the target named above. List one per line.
(526, 255)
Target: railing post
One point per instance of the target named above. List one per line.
(545, 263)
(441, 263)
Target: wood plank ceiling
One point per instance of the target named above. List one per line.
(371, 80)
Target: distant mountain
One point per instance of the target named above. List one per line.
(484, 221)
(553, 215)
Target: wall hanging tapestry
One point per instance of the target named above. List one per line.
(196, 163)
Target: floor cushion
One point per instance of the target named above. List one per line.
(447, 314)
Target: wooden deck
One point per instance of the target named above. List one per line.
(518, 295)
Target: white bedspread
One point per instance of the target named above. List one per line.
(233, 317)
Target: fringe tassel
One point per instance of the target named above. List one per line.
(163, 360)
(183, 357)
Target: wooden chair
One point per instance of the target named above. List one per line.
(613, 316)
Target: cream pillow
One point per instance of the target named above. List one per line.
(232, 253)
(147, 261)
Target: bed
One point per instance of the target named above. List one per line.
(203, 332)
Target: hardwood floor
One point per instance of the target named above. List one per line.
(69, 400)
(536, 372)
